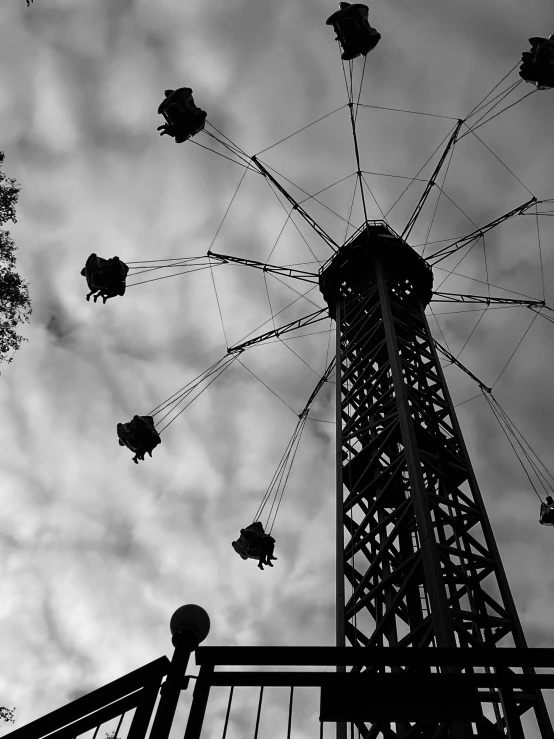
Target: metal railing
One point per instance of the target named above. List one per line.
(134, 693)
(393, 687)
(387, 686)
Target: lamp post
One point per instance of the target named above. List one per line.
(189, 626)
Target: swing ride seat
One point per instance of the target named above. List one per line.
(538, 64)
(105, 277)
(247, 549)
(262, 547)
(183, 118)
(254, 543)
(353, 31)
(240, 548)
(256, 527)
(139, 435)
(255, 538)
(547, 515)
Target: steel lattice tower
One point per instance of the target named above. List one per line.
(417, 563)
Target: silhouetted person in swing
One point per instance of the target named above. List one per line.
(547, 512)
(183, 118)
(139, 435)
(254, 543)
(105, 277)
(538, 64)
(354, 33)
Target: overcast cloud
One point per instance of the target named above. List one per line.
(96, 552)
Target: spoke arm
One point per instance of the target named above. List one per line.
(484, 299)
(317, 388)
(460, 243)
(431, 183)
(297, 274)
(455, 361)
(543, 212)
(357, 153)
(309, 220)
(318, 315)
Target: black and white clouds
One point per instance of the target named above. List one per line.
(97, 552)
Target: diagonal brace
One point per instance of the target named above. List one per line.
(318, 387)
(318, 315)
(446, 251)
(455, 361)
(297, 207)
(431, 183)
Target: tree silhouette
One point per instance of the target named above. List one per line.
(6, 715)
(15, 305)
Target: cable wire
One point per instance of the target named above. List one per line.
(512, 444)
(472, 332)
(479, 105)
(482, 282)
(438, 200)
(473, 129)
(499, 98)
(402, 110)
(217, 373)
(284, 402)
(517, 347)
(498, 158)
(523, 442)
(176, 274)
(439, 327)
(540, 251)
(300, 130)
(413, 179)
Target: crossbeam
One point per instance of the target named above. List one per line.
(377, 656)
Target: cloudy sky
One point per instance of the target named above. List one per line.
(96, 552)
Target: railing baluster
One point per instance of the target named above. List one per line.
(228, 712)
(199, 702)
(290, 711)
(259, 712)
(119, 726)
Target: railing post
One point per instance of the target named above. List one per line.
(189, 626)
(199, 703)
(143, 712)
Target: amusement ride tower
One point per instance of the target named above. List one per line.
(415, 548)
